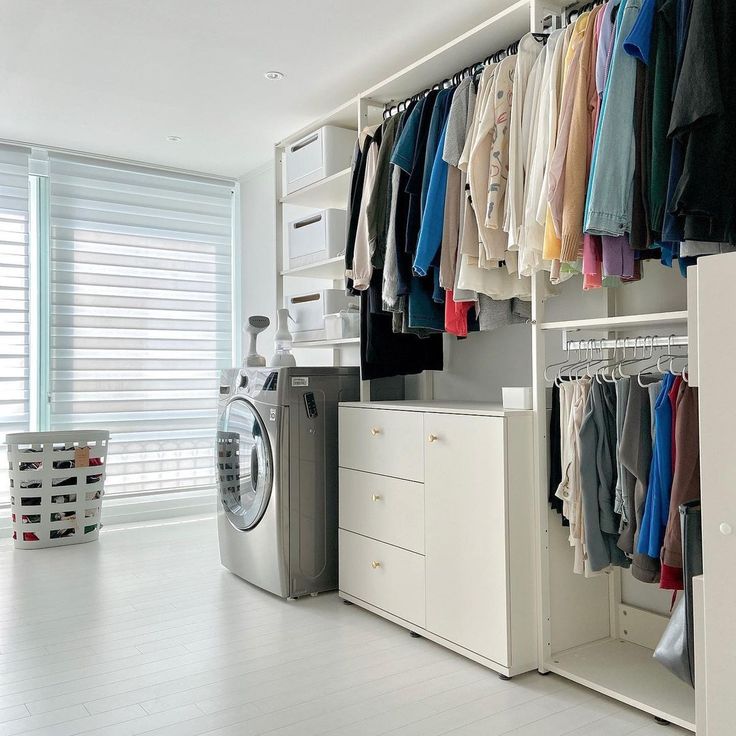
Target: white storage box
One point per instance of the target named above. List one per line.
(309, 311)
(343, 325)
(517, 397)
(56, 486)
(316, 238)
(317, 156)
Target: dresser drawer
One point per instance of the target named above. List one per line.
(382, 441)
(384, 576)
(388, 509)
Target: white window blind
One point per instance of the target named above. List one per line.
(14, 301)
(140, 316)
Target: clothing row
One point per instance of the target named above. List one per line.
(624, 457)
(421, 183)
(632, 118)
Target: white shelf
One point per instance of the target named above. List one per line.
(619, 323)
(629, 673)
(344, 116)
(332, 268)
(327, 344)
(330, 192)
(509, 24)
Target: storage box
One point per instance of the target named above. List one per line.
(517, 397)
(316, 238)
(343, 325)
(309, 311)
(317, 156)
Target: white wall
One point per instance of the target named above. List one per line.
(258, 243)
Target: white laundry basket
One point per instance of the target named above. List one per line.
(56, 486)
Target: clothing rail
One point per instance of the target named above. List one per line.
(653, 341)
(393, 107)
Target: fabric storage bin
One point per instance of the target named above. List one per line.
(56, 486)
(309, 311)
(342, 325)
(317, 237)
(317, 156)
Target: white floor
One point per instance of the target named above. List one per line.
(144, 632)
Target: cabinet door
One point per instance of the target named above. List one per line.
(465, 536)
(717, 356)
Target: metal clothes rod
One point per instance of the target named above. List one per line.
(393, 107)
(625, 342)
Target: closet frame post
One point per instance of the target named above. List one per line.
(539, 405)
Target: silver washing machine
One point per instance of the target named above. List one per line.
(277, 475)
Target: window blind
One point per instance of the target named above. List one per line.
(140, 316)
(14, 302)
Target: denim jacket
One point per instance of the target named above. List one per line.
(610, 187)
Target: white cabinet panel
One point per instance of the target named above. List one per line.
(382, 575)
(382, 441)
(465, 512)
(716, 355)
(388, 509)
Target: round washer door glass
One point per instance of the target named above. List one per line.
(244, 464)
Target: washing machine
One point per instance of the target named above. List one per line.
(277, 475)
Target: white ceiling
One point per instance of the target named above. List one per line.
(115, 77)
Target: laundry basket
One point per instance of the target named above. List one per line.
(56, 486)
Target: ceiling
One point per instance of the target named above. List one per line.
(116, 77)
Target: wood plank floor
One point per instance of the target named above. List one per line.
(145, 633)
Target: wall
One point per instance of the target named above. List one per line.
(258, 244)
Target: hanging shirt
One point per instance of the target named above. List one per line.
(610, 193)
(490, 117)
(457, 127)
(430, 235)
(703, 115)
(579, 148)
(685, 483)
(362, 269)
(532, 230)
(635, 453)
(656, 511)
(552, 243)
(526, 56)
(598, 479)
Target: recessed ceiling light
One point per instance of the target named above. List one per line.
(173, 138)
(274, 75)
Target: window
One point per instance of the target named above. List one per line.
(140, 316)
(14, 301)
(138, 313)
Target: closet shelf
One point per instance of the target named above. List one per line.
(619, 323)
(629, 673)
(327, 344)
(330, 192)
(507, 25)
(332, 268)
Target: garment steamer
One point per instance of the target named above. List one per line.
(256, 324)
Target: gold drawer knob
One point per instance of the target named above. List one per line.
(432, 438)
(375, 564)
(375, 431)
(375, 497)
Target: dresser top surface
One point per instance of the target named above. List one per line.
(439, 407)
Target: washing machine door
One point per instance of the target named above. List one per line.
(244, 464)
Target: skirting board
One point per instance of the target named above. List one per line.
(507, 671)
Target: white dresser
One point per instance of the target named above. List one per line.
(437, 524)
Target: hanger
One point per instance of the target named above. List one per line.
(634, 358)
(555, 365)
(646, 368)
